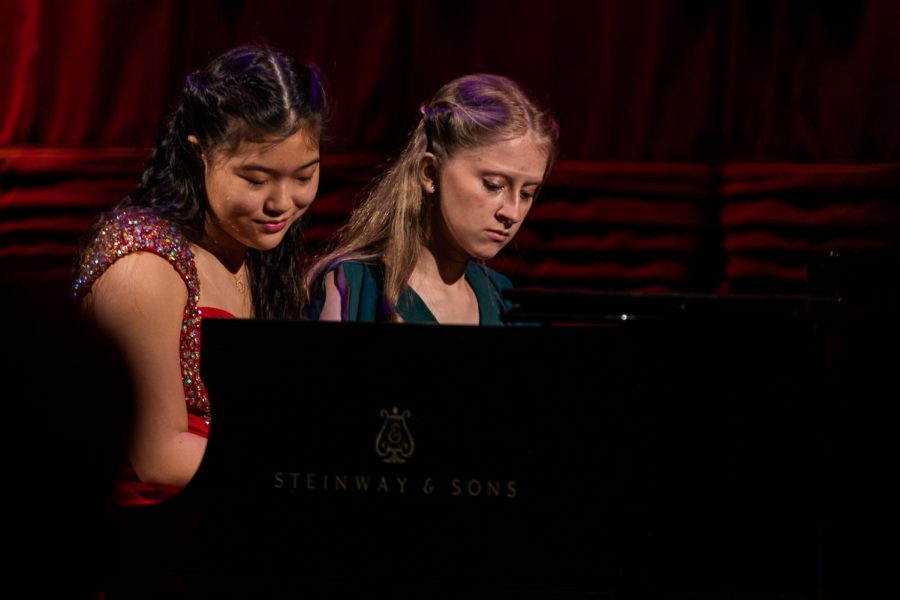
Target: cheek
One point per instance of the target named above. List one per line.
(307, 194)
(464, 203)
(230, 203)
(245, 204)
(457, 213)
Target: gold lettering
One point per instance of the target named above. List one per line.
(362, 483)
(511, 489)
(474, 488)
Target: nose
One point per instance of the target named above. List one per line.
(279, 201)
(512, 210)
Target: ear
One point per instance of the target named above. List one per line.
(192, 139)
(428, 173)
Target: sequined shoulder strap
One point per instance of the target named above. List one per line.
(127, 232)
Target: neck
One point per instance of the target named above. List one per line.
(440, 257)
(440, 264)
(225, 248)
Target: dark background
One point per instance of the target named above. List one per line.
(707, 146)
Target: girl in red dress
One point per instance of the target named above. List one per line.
(212, 230)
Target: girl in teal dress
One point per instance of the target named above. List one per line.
(414, 250)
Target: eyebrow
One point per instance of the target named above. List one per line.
(268, 171)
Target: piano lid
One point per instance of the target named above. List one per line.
(412, 459)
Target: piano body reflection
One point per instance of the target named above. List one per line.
(662, 445)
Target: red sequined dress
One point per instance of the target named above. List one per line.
(123, 233)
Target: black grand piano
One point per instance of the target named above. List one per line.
(613, 446)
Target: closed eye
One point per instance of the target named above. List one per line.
(306, 174)
(492, 186)
(254, 183)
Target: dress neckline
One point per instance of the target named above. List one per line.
(211, 312)
(476, 281)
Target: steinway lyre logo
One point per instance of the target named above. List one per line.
(394, 442)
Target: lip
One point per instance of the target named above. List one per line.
(273, 226)
(497, 235)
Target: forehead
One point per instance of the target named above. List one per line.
(521, 157)
(298, 148)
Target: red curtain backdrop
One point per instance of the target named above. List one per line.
(707, 145)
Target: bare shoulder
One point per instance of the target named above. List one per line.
(139, 286)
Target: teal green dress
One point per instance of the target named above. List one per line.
(365, 302)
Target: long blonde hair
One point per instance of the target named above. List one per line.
(392, 222)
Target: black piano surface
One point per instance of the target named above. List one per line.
(655, 447)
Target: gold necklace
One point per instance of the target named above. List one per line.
(239, 282)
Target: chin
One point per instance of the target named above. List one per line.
(484, 253)
(266, 245)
